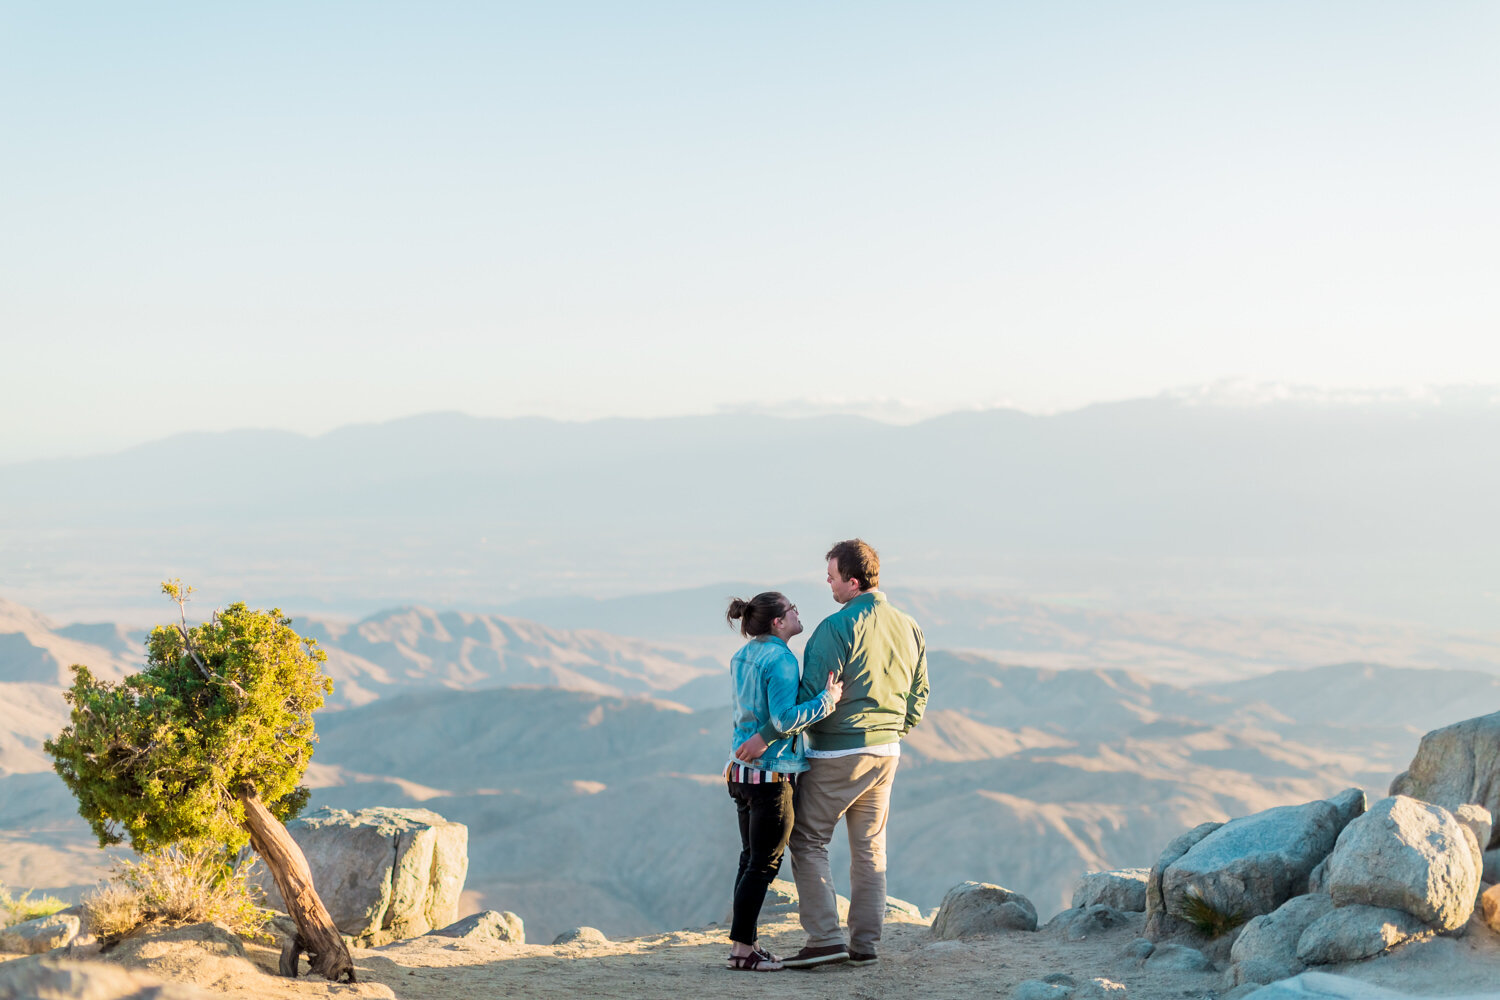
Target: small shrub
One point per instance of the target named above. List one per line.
(177, 886)
(1207, 918)
(112, 911)
(17, 909)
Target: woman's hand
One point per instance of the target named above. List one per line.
(835, 686)
(750, 749)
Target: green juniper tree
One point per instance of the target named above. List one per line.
(207, 746)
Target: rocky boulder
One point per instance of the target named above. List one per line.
(581, 936)
(202, 954)
(1410, 856)
(1458, 764)
(1351, 933)
(31, 937)
(1091, 921)
(383, 873)
(976, 908)
(1489, 906)
(1124, 889)
(1253, 864)
(1159, 921)
(1266, 950)
(1478, 821)
(53, 978)
(489, 925)
(1179, 958)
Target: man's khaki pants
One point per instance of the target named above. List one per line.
(856, 789)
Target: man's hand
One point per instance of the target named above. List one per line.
(835, 686)
(751, 749)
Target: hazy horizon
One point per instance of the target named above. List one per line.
(1228, 393)
(308, 217)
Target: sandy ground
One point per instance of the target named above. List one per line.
(690, 965)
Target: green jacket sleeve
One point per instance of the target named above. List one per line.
(916, 698)
(819, 659)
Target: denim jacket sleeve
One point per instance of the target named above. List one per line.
(787, 716)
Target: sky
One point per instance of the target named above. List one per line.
(309, 215)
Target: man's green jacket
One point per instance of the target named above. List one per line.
(882, 658)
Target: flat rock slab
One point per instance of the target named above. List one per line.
(1327, 986)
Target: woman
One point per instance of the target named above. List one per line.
(766, 721)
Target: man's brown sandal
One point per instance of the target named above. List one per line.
(759, 960)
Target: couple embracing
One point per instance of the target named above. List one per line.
(815, 746)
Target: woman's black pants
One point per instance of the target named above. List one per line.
(765, 824)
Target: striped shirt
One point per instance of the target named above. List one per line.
(735, 771)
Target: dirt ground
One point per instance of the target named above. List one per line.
(690, 965)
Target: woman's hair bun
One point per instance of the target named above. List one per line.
(757, 614)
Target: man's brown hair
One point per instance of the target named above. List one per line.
(857, 561)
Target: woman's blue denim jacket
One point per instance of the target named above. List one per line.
(765, 676)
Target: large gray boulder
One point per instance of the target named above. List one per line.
(1457, 764)
(383, 873)
(1407, 855)
(1351, 933)
(1266, 949)
(975, 908)
(1124, 889)
(1160, 922)
(30, 937)
(1253, 864)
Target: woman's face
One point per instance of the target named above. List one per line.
(789, 624)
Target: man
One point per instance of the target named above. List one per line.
(880, 654)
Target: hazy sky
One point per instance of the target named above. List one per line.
(306, 215)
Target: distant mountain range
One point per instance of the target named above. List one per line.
(1374, 510)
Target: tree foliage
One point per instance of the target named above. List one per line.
(161, 756)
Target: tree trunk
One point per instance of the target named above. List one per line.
(316, 932)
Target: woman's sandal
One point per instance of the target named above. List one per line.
(759, 960)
